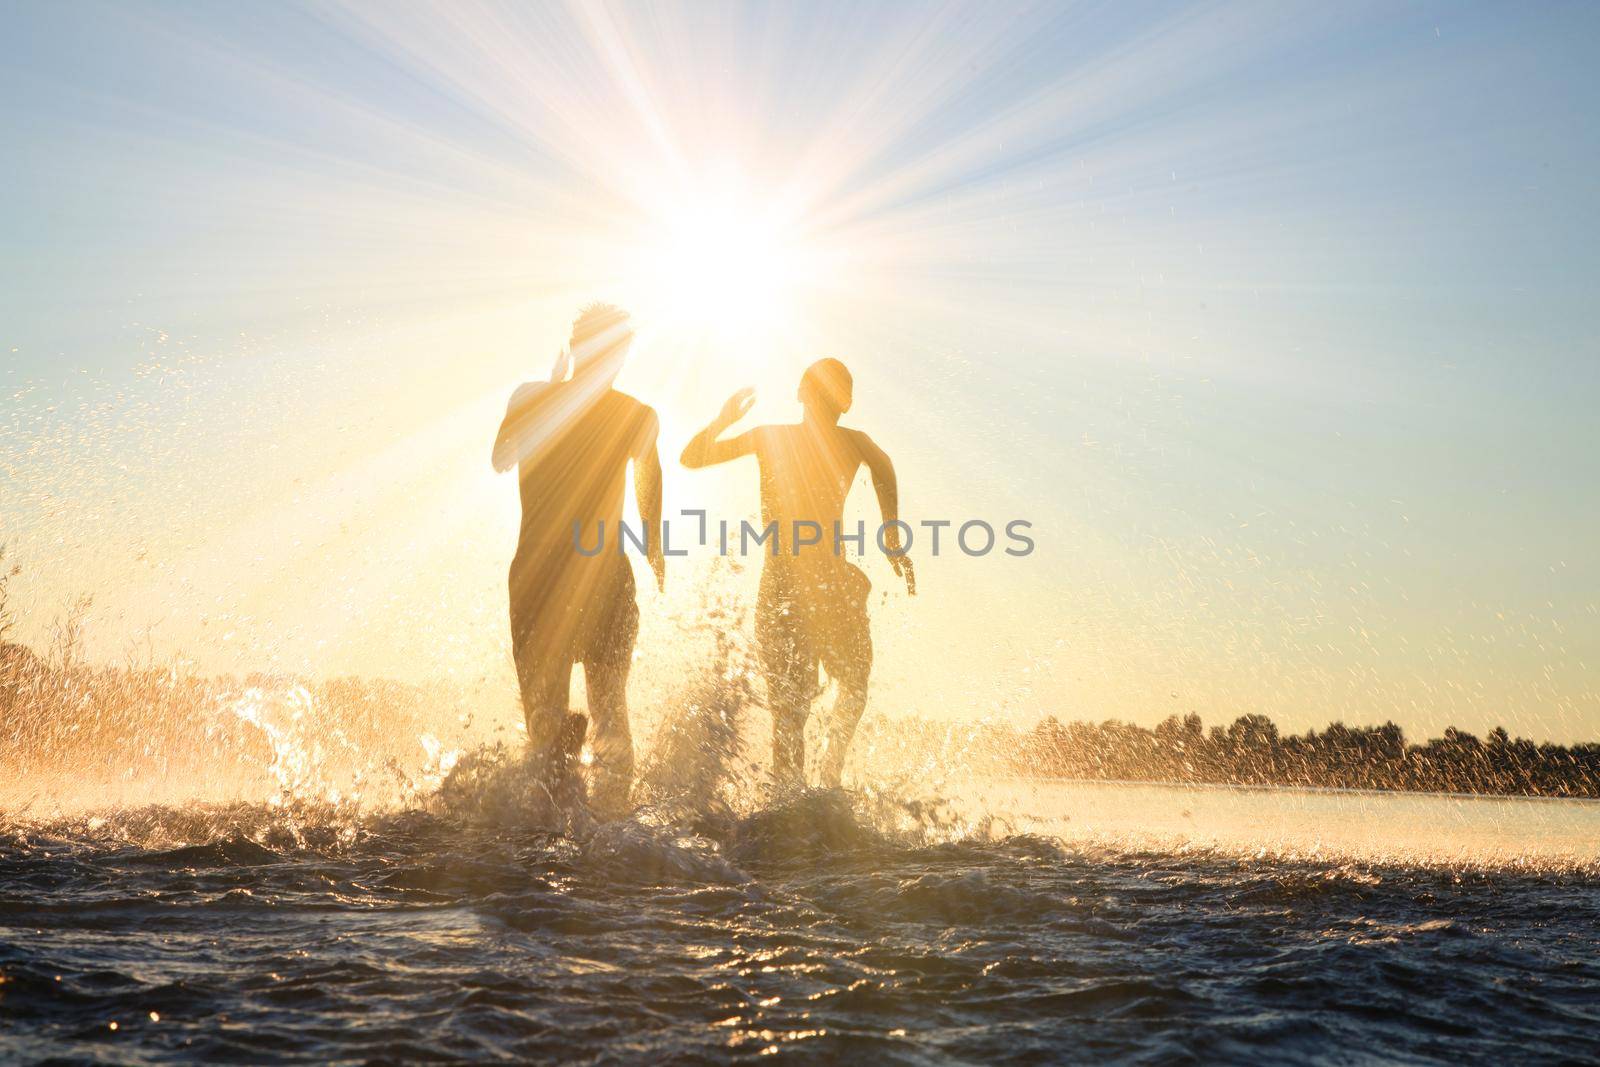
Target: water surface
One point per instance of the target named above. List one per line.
(832, 927)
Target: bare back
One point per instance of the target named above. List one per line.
(575, 446)
(806, 473)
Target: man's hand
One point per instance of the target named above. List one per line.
(902, 566)
(562, 367)
(736, 407)
(658, 564)
(704, 449)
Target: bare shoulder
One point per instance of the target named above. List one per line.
(769, 437)
(637, 420)
(525, 394)
(864, 445)
(638, 409)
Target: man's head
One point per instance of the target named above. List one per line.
(601, 335)
(826, 389)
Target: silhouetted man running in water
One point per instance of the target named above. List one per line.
(813, 605)
(571, 442)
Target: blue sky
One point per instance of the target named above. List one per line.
(1277, 318)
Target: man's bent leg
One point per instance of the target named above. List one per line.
(790, 671)
(545, 678)
(842, 724)
(605, 671)
(847, 655)
(788, 740)
(612, 740)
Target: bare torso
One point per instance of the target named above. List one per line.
(806, 473)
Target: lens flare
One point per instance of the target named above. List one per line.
(720, 263)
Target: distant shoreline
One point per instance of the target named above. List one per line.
(1251, 753)
(1269, 787)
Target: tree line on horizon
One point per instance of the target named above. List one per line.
(61, 707)
(1252, 751)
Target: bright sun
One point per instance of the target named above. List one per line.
(723, 264)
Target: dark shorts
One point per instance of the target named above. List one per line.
(564, 615)
(810, 614)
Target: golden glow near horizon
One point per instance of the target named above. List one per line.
(265, 353)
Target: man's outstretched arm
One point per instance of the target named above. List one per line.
(704, 449)
(884, 483)
(647, 487)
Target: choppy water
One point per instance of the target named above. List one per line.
(824, 929)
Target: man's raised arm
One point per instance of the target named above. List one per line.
(704, 449)
(511, 442)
